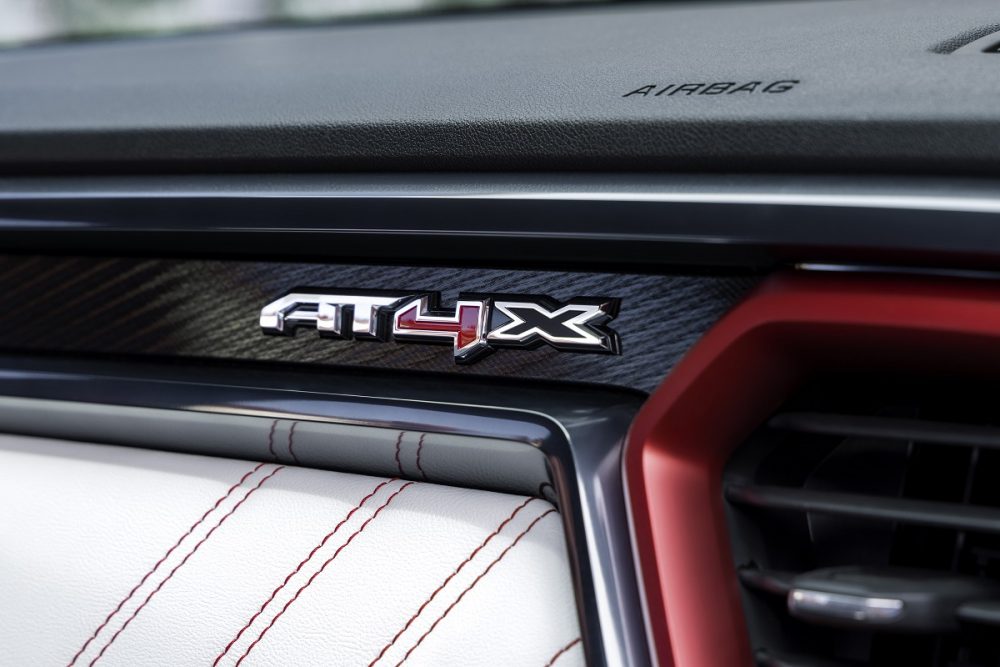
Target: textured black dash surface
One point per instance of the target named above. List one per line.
(210, 309)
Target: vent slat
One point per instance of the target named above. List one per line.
(865, 523)
(916, 512)
(767, 659)
(986, 612)
(853, 426)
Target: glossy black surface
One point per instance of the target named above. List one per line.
(598, 222)
(211, 309)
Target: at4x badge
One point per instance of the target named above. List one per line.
(477, 325)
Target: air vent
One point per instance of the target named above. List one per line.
(865, 521)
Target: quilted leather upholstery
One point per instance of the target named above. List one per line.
(122, 556)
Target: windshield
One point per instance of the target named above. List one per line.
(25, 21)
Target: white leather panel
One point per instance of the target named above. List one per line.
(121, 556)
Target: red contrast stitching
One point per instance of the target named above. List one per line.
(473, 584)
(449, 578)
(179, 565)
(270, 440)
(160, 562)
(420, 446)
(298, 568)
(561, 651)
(320, 571)
(291, 442)
(399, 464)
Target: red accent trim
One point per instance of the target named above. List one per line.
(466, 327)
(737, 375)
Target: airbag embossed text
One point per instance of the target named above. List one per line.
(735, 88)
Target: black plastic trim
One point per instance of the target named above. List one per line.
(983, 612)
(776, 583)
(606, 221)
(944, 515)
(854, 426)
(858, 90)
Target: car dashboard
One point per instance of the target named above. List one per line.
(638, 334)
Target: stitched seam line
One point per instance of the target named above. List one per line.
(473, 584)
(561, 651)
(320, 571)
(179, 565)
(420, 447)
(270, 440)
(298, 568)
(399, 464)
(291, 442)
(160, 562)
(451, 576)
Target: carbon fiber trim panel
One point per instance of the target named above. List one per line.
(209, 309)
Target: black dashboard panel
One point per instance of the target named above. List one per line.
(757, 86)
(210, 309)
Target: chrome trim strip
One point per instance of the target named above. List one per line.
(907, 202)
(942, 202)
(591, 220)
(834, 607)
(899, 271)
